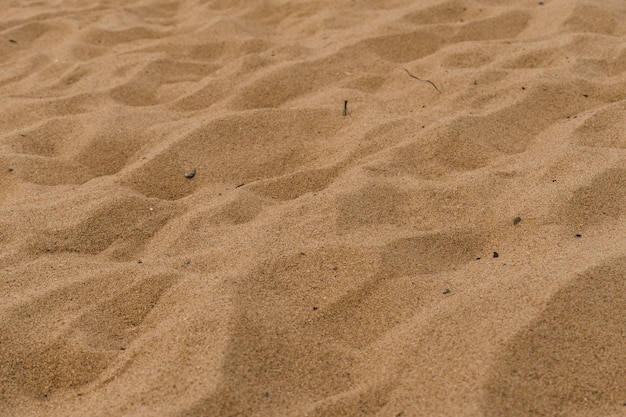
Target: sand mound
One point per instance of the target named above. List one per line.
(286, 207)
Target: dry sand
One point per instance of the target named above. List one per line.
(317, 263)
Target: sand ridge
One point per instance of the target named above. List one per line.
(317, 263)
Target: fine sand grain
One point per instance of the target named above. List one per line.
(324, 208)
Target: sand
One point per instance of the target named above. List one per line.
(449, 242)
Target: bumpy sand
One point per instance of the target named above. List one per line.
(317, 263)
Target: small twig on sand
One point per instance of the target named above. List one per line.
(424, 81)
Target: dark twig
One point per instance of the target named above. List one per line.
(345, 107)
(424, 81)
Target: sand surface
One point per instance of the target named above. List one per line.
(454, 245)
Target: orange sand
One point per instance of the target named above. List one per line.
(316, 264)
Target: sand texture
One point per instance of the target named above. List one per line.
(191, 226)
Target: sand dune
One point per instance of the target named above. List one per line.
(453, 245)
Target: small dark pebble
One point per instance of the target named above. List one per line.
(541, 3)
(446, 291)
(553, 180)
(523, 88)
(122, 348)
(585, 95)
(517, 220)
(140, 262)
(314, 308)
(10, 169)
(495, 254)
(240, 185)
(190, 174)
(579, 235)
(478, 259)
(12, 41)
